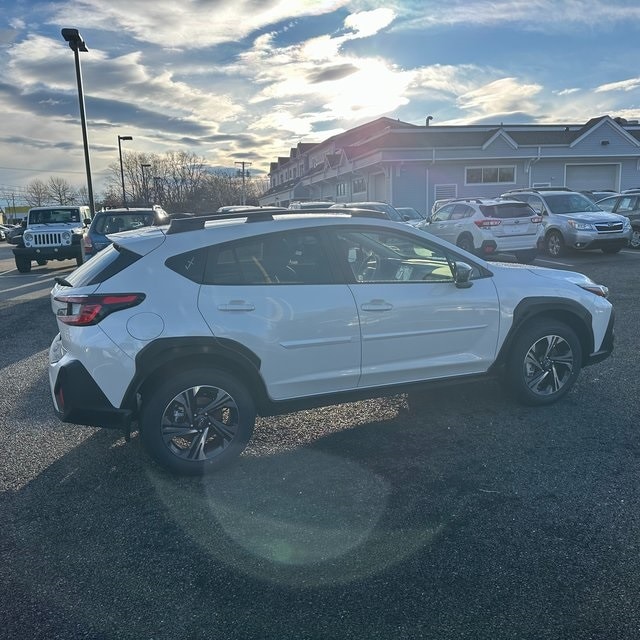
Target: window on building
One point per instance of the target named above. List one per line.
(490, 175)
(341, 189)
(359, 185)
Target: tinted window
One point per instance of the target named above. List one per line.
(102, 266)
(504, 211)
(570, 203)
(280, 258)
(105, 223)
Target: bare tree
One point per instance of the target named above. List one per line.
(36, 193)
(60, 191)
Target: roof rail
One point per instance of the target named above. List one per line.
(181, 225)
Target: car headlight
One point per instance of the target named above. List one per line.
(598, 289)
(66, 237)
(580, 226)
(626, 225)
(27, 237)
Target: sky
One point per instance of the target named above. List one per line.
(245, 80)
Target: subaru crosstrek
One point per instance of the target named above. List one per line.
(187, 332)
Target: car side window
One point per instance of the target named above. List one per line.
(626, 204)
(383, 256)
(296, 257)
(535, 203)
(443, 213)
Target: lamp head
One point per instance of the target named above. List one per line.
(73, 37)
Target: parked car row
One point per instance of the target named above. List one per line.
(568, 219)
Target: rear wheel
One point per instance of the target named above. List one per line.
(197, 421)
(544, 362)
(80, 258)
(23, 264)
(465, 242)
(554, 244)
(526, 257)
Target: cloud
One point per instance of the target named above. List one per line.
(530, 15)
(189, 24)
(623, 85)
(499, 96)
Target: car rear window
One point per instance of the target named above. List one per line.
(505, 211)
(102, 266)
(106, 224)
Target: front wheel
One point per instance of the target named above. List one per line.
(23, 264)
(543, 363)
(634, 243)
(554, 244)
(197, 421)
(611, 250)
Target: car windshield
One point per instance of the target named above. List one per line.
(51, 216)
(570, 203)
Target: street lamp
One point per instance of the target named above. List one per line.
(76, 44)
(120, 139)
(144, 182)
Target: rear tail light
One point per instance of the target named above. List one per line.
(87, 242)
(536, 219)
(485, 223)
(84, 311)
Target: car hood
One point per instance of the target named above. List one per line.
(594, 216)
(544, 272)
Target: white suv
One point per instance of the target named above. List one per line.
(488, 226)
(190, 331)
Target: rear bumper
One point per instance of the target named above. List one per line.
(77, 399)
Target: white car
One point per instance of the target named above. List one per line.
(190, 331)
(488, 226)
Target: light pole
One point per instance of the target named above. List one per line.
(144, 166)
(120, 139)
(244, 173)
(76, 44)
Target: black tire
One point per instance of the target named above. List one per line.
(611, 250)
(41, 262)
(554, 244)
(543, 362)
(465, 242)
(221, 424)
(526, 257)
(80, 258)
(634, 243)
(23, 264)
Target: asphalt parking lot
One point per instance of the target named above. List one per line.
(460, 516)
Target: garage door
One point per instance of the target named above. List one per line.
(592, 176)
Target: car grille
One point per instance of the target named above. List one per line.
(48, 239)
(608, 227)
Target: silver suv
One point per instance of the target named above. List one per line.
(488, 226)
(572, 221)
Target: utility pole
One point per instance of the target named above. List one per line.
(242, 164)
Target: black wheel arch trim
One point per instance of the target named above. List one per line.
(162, 352)
(561, 309)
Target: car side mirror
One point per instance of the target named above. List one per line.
(462, 275)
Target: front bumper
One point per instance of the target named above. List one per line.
(49, 253)
(591, 240)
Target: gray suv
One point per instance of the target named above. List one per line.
(572, 221)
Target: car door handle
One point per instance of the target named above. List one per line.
(237, 305)
(376, 305)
